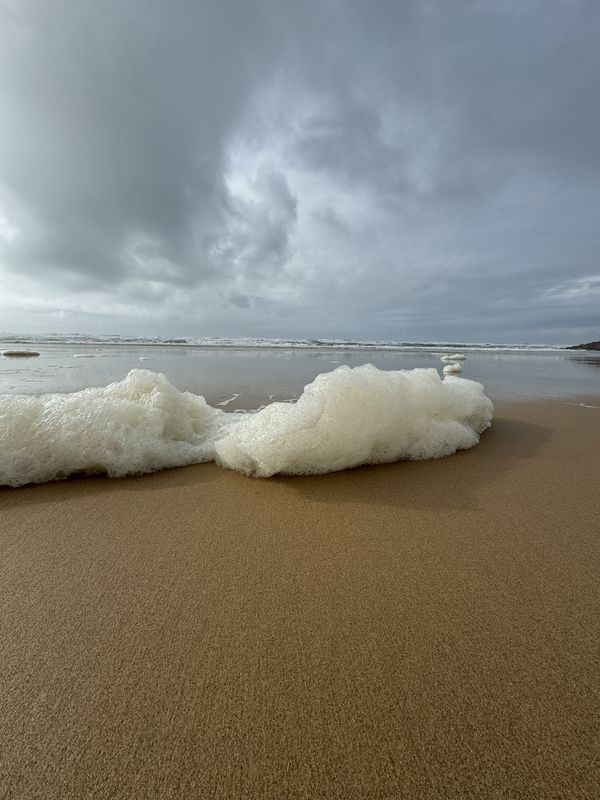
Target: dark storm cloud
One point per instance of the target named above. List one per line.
(114, 122)
(405, 170)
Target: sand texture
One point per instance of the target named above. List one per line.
(417, 630)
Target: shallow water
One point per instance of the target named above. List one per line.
(258, 376)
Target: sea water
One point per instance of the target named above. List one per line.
(258, 373)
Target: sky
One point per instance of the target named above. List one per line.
(406, 170)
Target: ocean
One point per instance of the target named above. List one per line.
(258, 371)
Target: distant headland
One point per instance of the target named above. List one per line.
(588, 346)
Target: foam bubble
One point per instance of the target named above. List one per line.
(141, 424)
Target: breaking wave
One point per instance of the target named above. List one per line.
(141, 424)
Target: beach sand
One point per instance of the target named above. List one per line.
(416, 630)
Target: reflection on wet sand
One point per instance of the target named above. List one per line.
(590, 361)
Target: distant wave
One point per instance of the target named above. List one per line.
(142, 424)
(248, 342)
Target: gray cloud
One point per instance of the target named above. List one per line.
(398, 170)
(114, 127)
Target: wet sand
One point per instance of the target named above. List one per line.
(417, 630)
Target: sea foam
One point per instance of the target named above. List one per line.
(452, 368)
(142, 424)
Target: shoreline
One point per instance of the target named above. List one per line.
(408, 347)
(418, 629)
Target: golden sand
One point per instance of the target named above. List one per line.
(417, 630)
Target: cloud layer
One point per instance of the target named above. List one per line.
(415, 170)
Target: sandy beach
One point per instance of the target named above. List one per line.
(415, 630)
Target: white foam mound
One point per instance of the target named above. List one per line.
(455, 357)
(359, 416)
(452, 368)
(343, 419)
(140, 424)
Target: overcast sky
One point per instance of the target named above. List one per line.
(375, 169)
